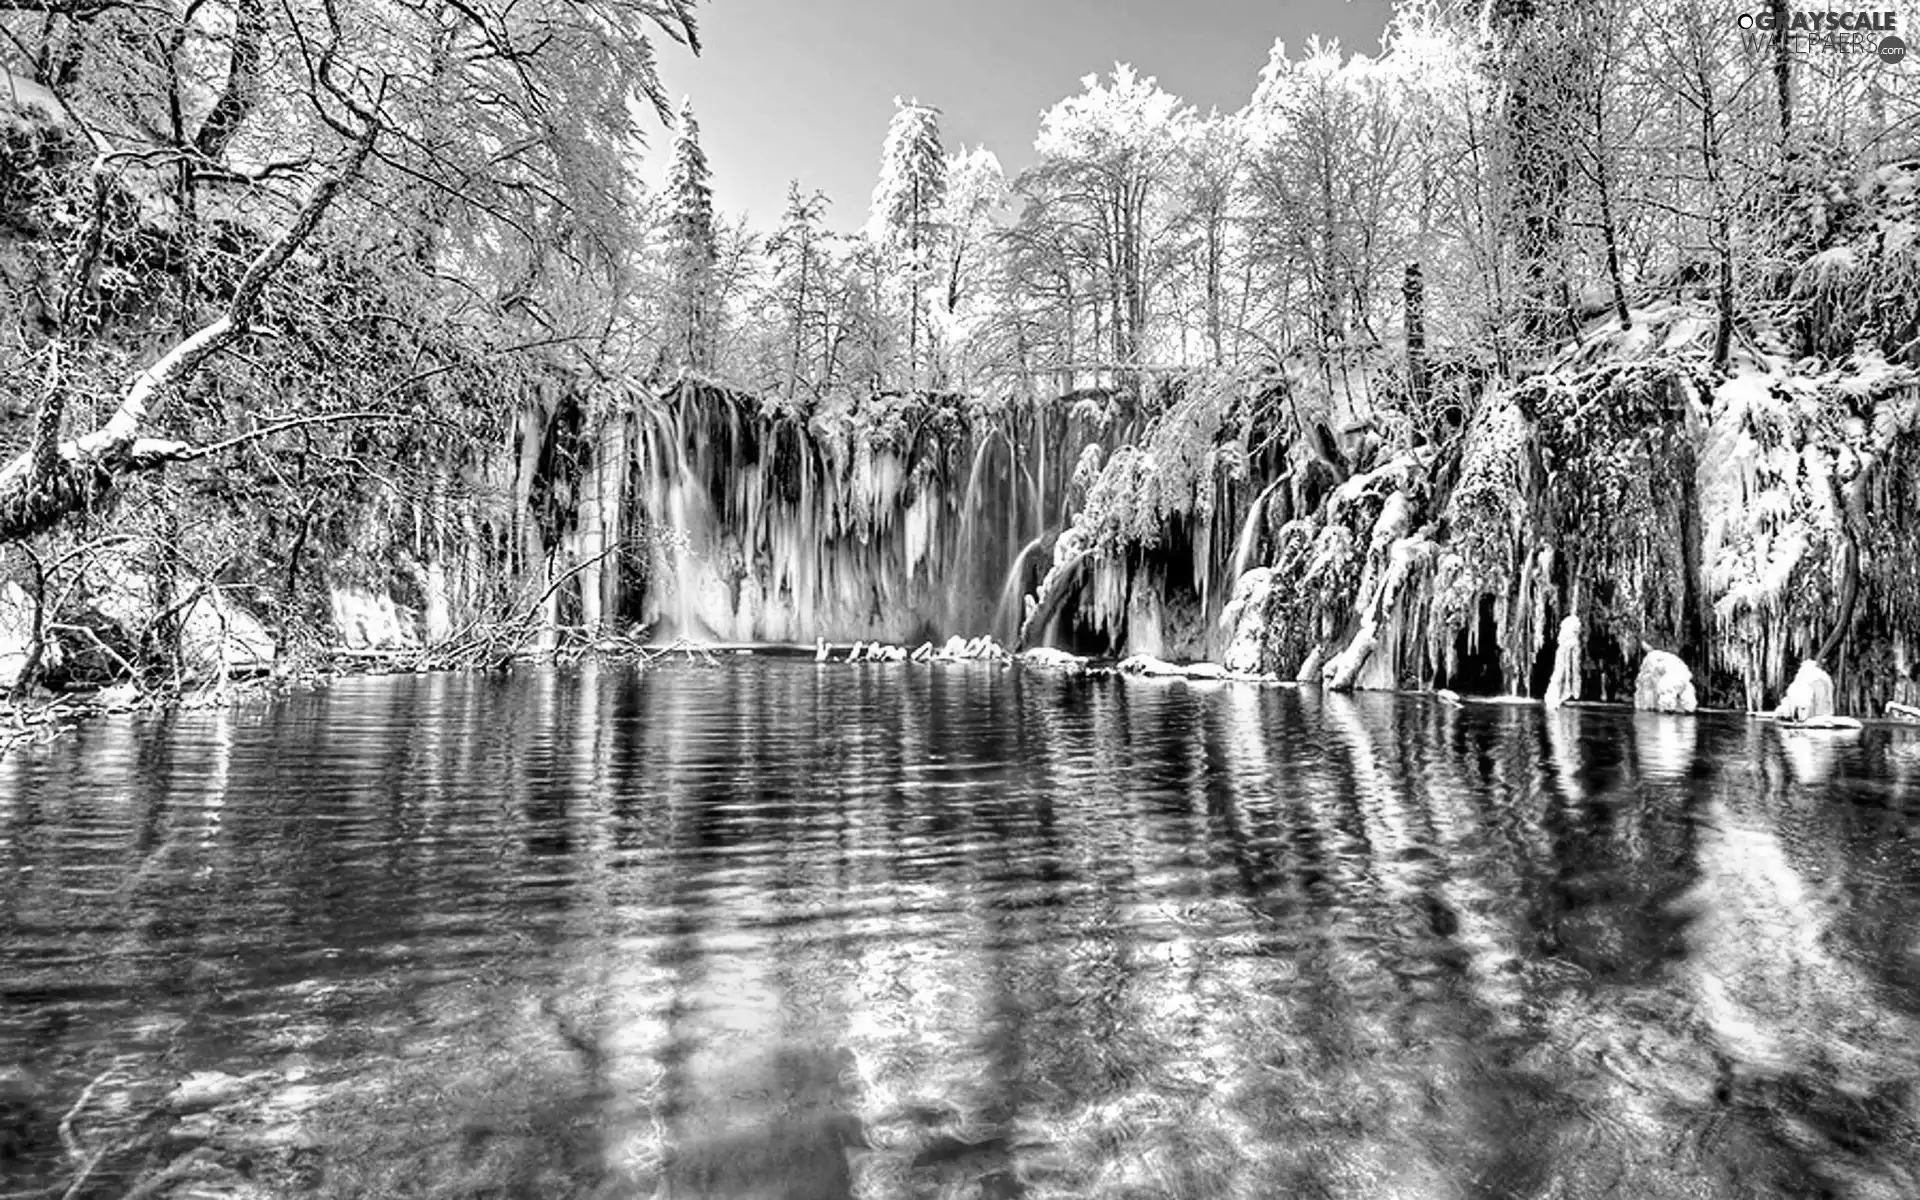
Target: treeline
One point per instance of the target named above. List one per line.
(1541, 163)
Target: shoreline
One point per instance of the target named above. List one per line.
(40, 720)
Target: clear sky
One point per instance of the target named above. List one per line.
(804, 89)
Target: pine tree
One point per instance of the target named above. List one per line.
(690, 247)
(907, 203)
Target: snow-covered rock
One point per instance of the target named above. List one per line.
(1665, 684)
(1245, 619)
(367, 621)
(985, 649)
(118, 698)
(1056, 660)
(1157, 668)
(1809, 697)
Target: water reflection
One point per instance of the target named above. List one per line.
(784, 930)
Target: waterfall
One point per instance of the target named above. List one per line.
(865, 518)
(1006, 617)
(1248, 543)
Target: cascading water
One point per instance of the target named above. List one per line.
(864, 519)
(1248, 543)
(1007, 614)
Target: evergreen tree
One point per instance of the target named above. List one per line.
(690, 247)
(907, 203)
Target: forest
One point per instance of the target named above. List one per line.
(1556, 327)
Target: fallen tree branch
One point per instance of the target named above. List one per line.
(523, 627)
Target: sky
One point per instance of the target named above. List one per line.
(787, 89)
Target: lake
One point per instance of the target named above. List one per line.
(776, 929)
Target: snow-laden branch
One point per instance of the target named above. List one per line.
(54, 479)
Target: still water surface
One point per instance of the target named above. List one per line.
(783, 930)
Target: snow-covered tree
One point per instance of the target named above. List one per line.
(1327, 145)
(977, 194)
(690, 247)
(1109, 156)
(797, 289)
(904, 223)
(1214, 161)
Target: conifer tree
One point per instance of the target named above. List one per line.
(690, 247)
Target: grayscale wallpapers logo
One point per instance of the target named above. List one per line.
(1840, 32)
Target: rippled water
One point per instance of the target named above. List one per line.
(780, 930)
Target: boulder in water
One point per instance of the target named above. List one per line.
(1147, 664)
(1058, 660)
(1245, 621)
(1809, 697)
(1665, 684)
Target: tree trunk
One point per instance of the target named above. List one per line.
(1216, 255)
(1782, 63)
(1418, 385)
(1721, 223)
(1612, 238)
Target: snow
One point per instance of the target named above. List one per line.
(27, 102)
(913, 179)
